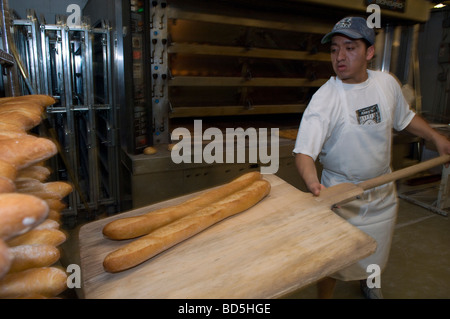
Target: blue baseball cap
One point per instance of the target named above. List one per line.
(354, 28)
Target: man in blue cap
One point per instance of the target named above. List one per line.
(348, 127)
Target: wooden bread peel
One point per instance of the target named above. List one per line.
(289, 240)
(346, 192)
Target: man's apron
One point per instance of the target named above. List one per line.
(358, 153)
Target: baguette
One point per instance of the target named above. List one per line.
(48, 224)
(45, 281)
(27, 120)
(56, 204)
(5, 259)
(40, 173)
(33, 256)
(54, 237)
(26, 151)
(132, 227)
(50, 190)
(54, 215)
(5, 135)
(27, 106)
(144, 248)
(19, 213)
(41, 99)
(60, 188)
(11, 127)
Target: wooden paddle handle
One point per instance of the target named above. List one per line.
(404, 172)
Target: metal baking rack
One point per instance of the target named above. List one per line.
(73, 64)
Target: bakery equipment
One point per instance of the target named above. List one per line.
(73, 64)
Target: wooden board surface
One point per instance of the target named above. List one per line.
(285, 242)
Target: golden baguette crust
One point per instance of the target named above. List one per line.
(60, 188)
(19, 213)
(54, 237)
(40, 173)
(27, 120)
(23, 106)
(45, 281)
(50, 190)
(144, 248)
(33, 256)
(5, 259)
(11, 127)
(132, 227)
(54, 215)
(4, 135)
(48, 224)
(41, 99)
(56, 204)
(26, 151)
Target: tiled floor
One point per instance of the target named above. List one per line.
(419, 264)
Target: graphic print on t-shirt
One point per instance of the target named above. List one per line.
(368, 115)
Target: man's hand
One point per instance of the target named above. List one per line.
(315, 188)
(307, 170)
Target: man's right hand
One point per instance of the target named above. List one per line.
(315, 188)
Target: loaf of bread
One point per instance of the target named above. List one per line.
(44, 281)
(54, 215)
(53, 237)
(150, 150)
(144, 248)
(36, 172)
(48, 224)
(33, 256)
(132, 227)
(5, 259)
(28, 185)
(56, 204)
(60, 188)
(41, 99)
(11, 127)
(6, 185)
(19, 213)
(26, 151)
(27, 120)
(5, 135)
(50, 190)
(28, 106)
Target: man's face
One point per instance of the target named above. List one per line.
(349, 58)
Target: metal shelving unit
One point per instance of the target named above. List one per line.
(73, 64)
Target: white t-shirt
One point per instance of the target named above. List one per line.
(325, 115)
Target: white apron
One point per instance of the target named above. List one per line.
(361, 152)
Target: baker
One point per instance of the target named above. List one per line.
(348, 127)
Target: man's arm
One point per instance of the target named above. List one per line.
(307, 170)
(419, 127)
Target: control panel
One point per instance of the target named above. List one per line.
(159, 71)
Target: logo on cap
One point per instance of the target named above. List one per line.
(344, 23)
